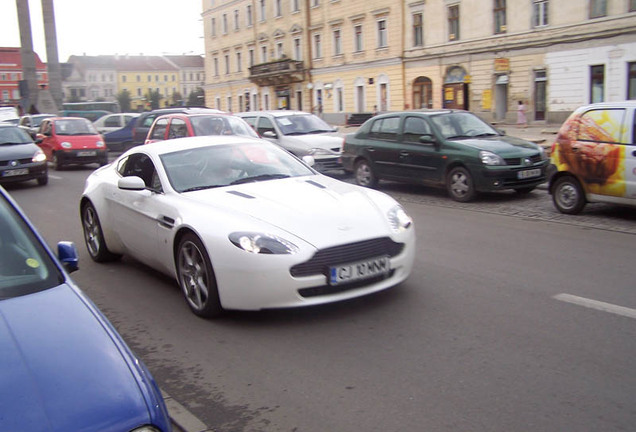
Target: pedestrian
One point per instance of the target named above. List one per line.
(521, 115)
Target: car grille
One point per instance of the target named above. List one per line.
(325, 258)
(517, 161)
(25, 161)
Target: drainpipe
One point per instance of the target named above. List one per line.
(310, 83)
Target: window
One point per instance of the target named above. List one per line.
(315, 3)
(317, 46)
(239, 61)
(277, 8)
(298, 54)
(414, 128)
(262, 9)
(606, 126)
(227, 64)
(337, 42)
(279, 50)
(224, 24)
(418, 31)
(295, 5)
(453, 22)
(632, 5)
(598, 8)
(597, 83)
(216, 66)
(248, 15)
(540, 13)
(385, 129)
(263, 54)
(357, 31)
(631, 82)
(236, 20)
(213, 27)
(500, 16)
(382, 41)
(251, 57)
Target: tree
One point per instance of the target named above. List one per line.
(124, 99)
(196, 98)
(176, 99)
(154, 98)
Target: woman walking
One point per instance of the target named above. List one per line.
(521, 115)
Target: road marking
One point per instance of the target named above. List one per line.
(55, 177)
(594, 304)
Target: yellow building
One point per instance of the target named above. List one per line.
(142, 74)
(341, 57)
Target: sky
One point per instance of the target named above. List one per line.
(92, 27)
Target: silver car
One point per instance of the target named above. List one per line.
(300, 133)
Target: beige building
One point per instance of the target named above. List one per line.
(341, 57)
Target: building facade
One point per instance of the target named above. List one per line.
(338, 57)
(11, 75)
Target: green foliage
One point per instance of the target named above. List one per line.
(124, 99)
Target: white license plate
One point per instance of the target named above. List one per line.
(15, 172)
(87, 153)
(359, 270)
(529, 173)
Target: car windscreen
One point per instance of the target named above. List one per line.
(25, 266)
(74, 127)
(461, 125)
(224, 165)
(302, 124)
(221, 125)
(14, 135)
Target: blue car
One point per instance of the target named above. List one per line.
(63, 367)
(120, 139)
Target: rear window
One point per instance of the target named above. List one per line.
(603, 125)
(385, 128)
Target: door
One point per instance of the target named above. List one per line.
(382, 148)
(540, 95)
(417, 160)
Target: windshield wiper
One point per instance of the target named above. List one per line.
(198, 188)
(14, 143)
(319, 131)
(487, 134)
(259, 178)
(459, 137)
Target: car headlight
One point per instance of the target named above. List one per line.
(318, 151)
(39, 156)
(100, 143)
(490, 158)
(259, 243)
(544, 155)
(66, 145)
(398, 219)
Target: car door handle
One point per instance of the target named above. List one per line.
(404, 154)
(370, 149)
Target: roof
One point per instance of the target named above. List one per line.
(186, 61)
(124, 63)
(11, 58)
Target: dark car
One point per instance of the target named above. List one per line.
(181, 125)
(20, 158)
(63, 366)
(120, 139)
(448, 148)
(146, 119)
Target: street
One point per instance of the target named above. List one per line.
(516, 318)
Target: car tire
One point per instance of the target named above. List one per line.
(568, 196)
(43, 180)
(525, 190)
(94, 236)
(196, 277)
(364, 174)
(459, 184)
(57, 163)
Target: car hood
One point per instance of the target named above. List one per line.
(17, 151)
(328, 141)
(80, 141)
(501, 145)
(316, 209)
(60, 368)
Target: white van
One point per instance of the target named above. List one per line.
(595, 157)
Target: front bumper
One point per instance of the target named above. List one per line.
(329, 163)
(83, 156)
(494, 178)
(23, 172)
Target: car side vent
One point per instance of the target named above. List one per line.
(311, 182)
(241, 194)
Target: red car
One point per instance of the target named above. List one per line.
(170, 126)
(71, 141)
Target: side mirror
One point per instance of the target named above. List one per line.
(501, 131)
(270, 134)
(132, 183)
(427, 139)
(309, 160)
(39, 139)
(67, 254)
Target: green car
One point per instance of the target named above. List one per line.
(445, 148)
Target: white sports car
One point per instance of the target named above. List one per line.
(242, 224)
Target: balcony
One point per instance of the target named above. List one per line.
(276, 73)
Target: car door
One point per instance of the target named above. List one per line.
(45, 138)
(137, 215)
(630, 155)
(420, 157)
(381, 146)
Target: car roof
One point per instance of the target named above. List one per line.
(620, 104)
(169, 146)
(274, 113)
(194, 114)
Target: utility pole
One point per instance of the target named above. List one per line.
(52, 59)
(29, 84)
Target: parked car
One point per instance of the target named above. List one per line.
(301, 134)
(31, 122)
(121, 139)
(113, 122)
(595, 157)
(146, 119)
(63, 366)
(444, 148)
(242, 224)
(180, 125)
(71, 141)
(20, 158)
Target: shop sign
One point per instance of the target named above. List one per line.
(502, 65)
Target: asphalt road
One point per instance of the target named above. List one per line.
(515, 318)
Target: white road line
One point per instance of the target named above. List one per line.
(594, 304)
(55, 177)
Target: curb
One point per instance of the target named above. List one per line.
(182, 419)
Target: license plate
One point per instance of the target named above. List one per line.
(359, 270)
(529, 173)
(15, 172)
(87, 153)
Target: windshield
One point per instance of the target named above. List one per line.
(224, 165)
(459, 125)
(302, 124)
(14, 135)
(25, 266)
(74, 127)
(221, 125)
